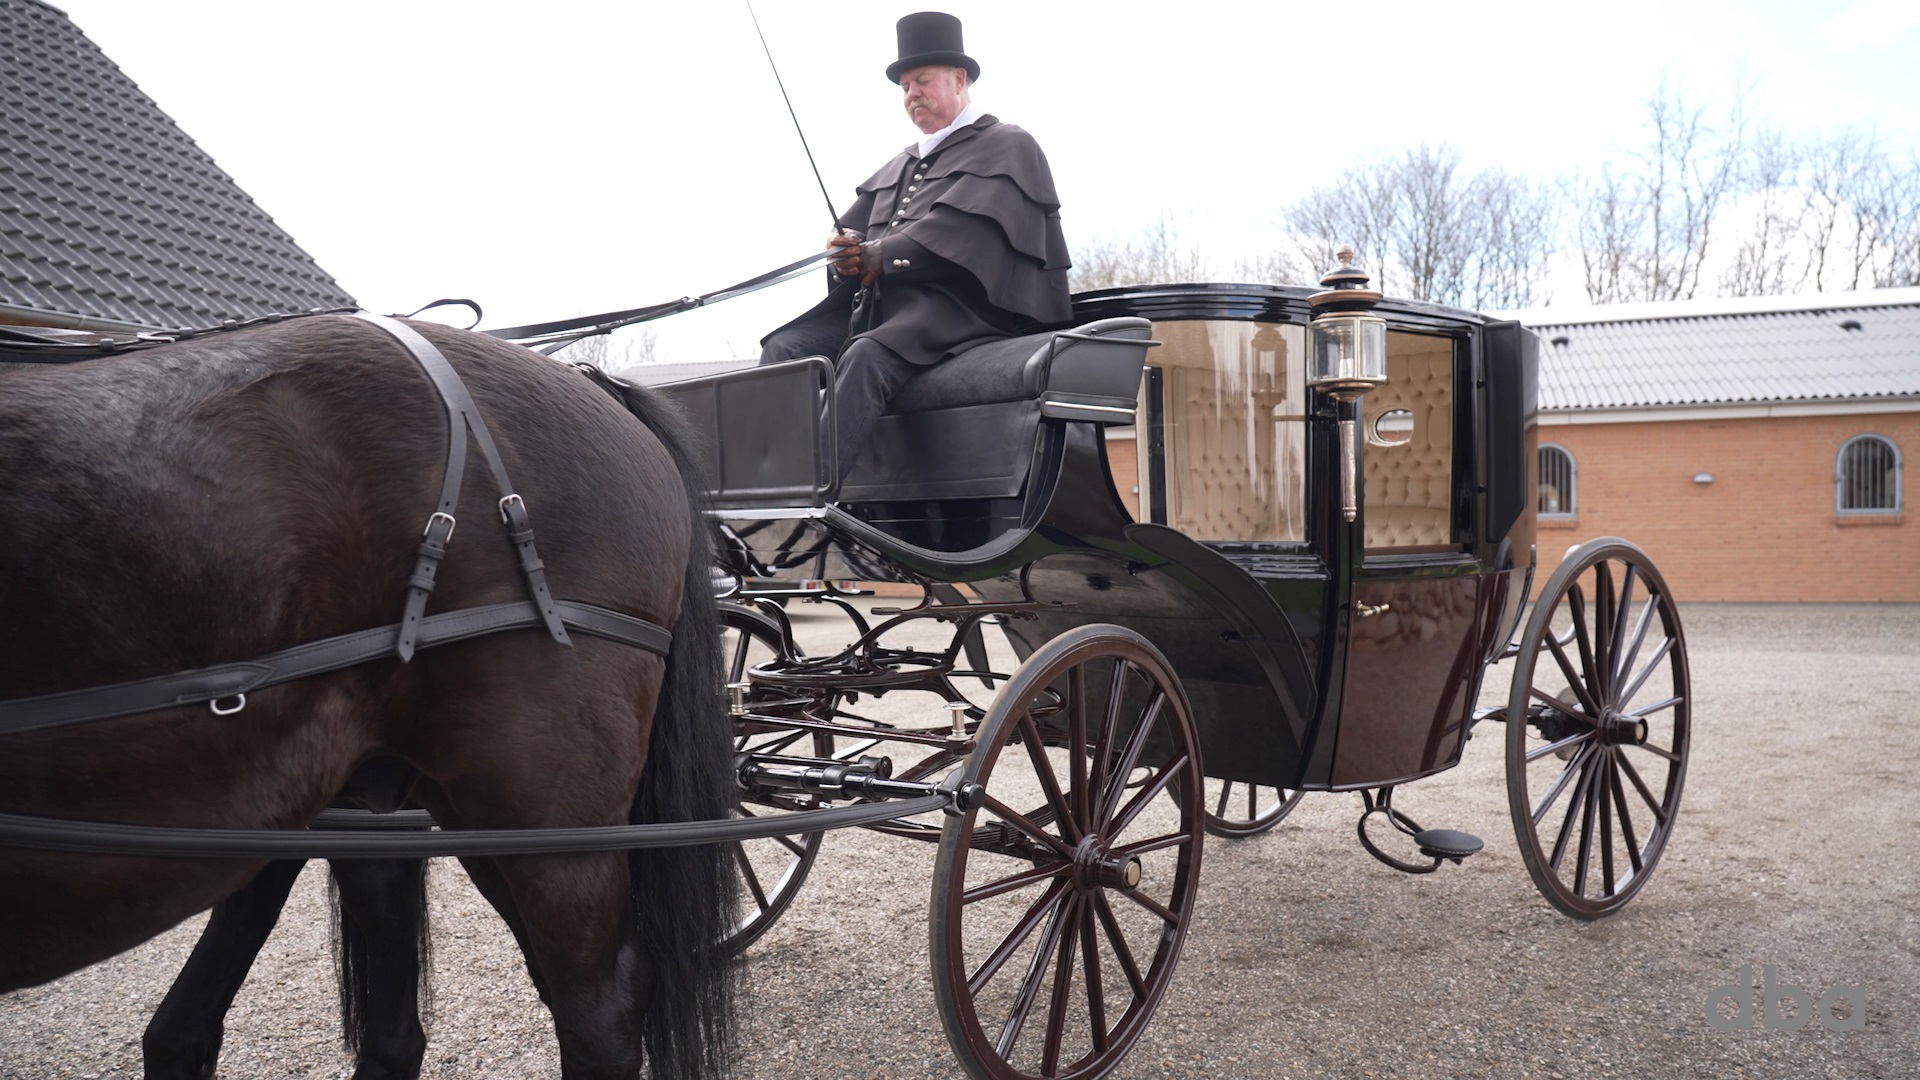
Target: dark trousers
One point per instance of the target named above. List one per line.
(866, 376)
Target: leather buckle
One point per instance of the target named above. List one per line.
(505, 514)
(437, 517)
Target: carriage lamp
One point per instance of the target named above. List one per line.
(1346, 357)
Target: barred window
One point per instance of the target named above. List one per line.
(1554, 495)
(1866, 476)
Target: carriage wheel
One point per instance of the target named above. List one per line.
(1061, 904)
(773, 869)
(1598, 729)
(1238, 810)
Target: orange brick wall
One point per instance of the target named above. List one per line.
(1764, 529)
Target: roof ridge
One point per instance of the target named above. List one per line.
(1649, 311)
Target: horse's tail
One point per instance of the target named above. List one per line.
(684, 897)
(361, 964)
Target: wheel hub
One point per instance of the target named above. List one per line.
(1096, 868)
(1617, 729)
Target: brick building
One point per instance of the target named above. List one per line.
(1756, 448)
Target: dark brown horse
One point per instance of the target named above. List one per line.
(221, 498)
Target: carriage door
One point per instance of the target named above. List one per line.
(1412, 655)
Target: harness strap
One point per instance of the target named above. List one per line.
(462, 417)
(223, 681)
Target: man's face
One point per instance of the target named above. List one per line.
(934, 95)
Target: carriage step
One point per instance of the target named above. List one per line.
(1447, 844)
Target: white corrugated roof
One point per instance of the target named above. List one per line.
(1828, 347)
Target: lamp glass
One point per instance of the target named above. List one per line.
(1346, 350)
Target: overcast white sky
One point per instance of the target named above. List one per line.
(559, 158)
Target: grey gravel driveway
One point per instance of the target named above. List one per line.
(1795, 851)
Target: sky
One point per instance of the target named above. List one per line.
(561, 158)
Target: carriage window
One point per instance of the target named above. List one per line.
(1233, 419)
(1409, 486)
(1866, 476)
(1554, 496)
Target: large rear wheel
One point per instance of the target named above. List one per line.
(1598, 729)
(1061, 904)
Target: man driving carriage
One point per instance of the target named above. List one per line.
(954, 243)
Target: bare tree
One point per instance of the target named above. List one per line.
(612, 354)
(1645, 232)
(1158, 255)
(1430, 230)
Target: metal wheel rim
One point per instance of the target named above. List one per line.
(1078, 915)
(1592, 827)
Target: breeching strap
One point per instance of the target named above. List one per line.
(463, 417)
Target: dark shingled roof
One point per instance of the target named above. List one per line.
(1835, 347)
(108, 211)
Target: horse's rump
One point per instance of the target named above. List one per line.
(220, 498)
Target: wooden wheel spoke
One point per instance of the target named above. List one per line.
(1166, 914)
(1646, 671)
(752, 879)
(1658, 751)
(1605, 812)
(1117, 940)
(1147, 794)
(1633, 774)
(1226, 792)
(1582, 682)
(1561, 708)
(1575, 739)
(1130, 755)
(1603, 621)
(1062, 985)
(1573, 768)
(1026, 825)
(1096, 993)
(1048, 902)
(1049, 782)
(1575, 681)
(1617, 625)
(1158, 843)
(1626, 819)
(1078, 797)
(1630, 653)
(1574, 805)
(1659, 706)
(1109, 723)
(1589, 797)
(1030, 986)
(1016, 881)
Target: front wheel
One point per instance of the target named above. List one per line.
(1060, 905)
(1598, 729)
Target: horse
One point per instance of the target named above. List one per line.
(222, 497)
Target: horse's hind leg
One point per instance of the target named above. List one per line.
(182, 1041)
(383, 947)
(576, 930)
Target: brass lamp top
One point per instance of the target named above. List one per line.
(1346, 288)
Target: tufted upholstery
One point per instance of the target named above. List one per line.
(1408, 486)
(1234, 396)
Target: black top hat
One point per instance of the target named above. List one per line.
(931, 37)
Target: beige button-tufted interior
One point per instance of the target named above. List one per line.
(1408, 486)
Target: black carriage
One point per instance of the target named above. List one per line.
(1326, 543)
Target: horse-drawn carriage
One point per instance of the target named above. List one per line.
(1326, 542)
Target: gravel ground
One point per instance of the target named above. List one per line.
(1306, 957)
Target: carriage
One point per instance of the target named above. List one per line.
(1320, 542)
(1325, 544)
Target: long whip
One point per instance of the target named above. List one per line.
(834, 214)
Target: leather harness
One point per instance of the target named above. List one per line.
(223, 687)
